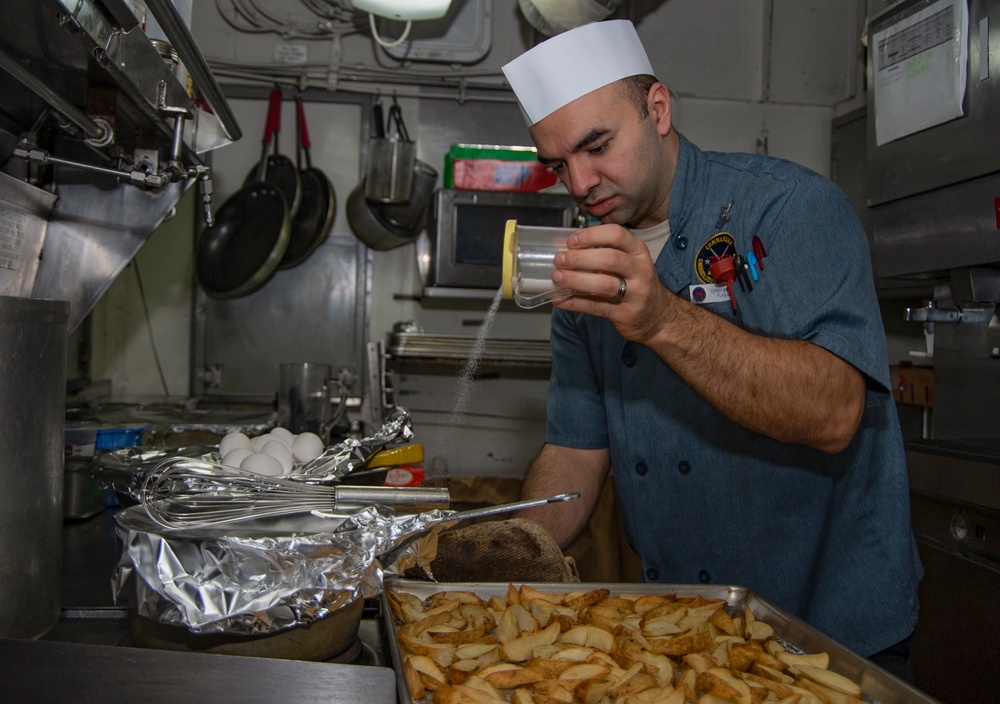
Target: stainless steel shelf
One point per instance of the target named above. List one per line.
(424, 346)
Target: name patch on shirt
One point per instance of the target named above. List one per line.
(708, 293)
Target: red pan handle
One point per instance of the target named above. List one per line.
(276, 98)
(302, 125)
(304, 130)
(270, 128)
(273, 115)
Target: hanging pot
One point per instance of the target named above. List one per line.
(312, 223)
(391, 159)
(382, 226)
(277, 169)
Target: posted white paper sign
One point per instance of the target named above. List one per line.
(920, 70)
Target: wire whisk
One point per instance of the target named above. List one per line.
(190, 493)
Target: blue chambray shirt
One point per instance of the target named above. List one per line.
(826, 537)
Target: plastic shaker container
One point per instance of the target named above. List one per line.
(527, 263)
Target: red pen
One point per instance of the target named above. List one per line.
(758, 251)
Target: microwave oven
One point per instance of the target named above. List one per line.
(467, 231)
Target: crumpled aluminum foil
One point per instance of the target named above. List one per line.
(343, 458)
(252, 580)
(125, 470)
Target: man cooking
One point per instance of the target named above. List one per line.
(750, 424)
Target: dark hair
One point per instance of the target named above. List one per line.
(636, 90)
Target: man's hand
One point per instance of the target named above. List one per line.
(599, 258)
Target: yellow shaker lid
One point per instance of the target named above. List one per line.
(509, 258)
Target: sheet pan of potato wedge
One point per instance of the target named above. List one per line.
(560, 643)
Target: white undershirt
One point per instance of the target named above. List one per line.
(654, 237)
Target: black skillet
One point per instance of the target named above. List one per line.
(241, 251)
(312, 223)
(275, 168)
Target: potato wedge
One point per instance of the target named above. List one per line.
(820, 660)
(589, 636)
(833, 680)
(516, 677)
(580, 601)
(723, 683)
(519, 649)
(585, 671)
(463, 694)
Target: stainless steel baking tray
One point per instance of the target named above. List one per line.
(879, 686)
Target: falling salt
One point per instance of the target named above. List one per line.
(462, 395)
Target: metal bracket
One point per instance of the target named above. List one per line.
(211, 376)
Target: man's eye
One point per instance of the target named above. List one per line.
(599, 149)
(556, 167)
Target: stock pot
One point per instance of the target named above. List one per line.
(32, 408)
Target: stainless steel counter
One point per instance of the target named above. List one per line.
(46, 671)
(88, 656)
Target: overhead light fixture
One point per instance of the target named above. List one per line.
(552, 17)
(404, 10)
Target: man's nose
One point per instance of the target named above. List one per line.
(582, 179)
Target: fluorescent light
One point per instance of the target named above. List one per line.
(405, 10)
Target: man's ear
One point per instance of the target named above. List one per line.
(658, 102)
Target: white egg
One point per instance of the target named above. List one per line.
(280, 452)
(286, 436)
(236, 456)
(307, 446)
(258, 442)
(231, 441)
(262, 464)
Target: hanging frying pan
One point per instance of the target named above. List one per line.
(312, 223)
(276, 168)
(242, 250)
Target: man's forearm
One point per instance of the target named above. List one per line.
(558, 470)
(790, 390)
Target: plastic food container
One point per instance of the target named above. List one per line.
(81, 439)
(115, 437)
(527, 263)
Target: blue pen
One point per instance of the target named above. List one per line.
(752, 261)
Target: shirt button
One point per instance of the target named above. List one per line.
(641, 468)
(652, 574)
(705, 577)
(684, 467)
(681, 243)
(628, 358)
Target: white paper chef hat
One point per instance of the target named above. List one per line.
(574, 63)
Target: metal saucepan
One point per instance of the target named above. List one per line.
(383, 226)
(319, 640)
(276, 168)
(312, 223)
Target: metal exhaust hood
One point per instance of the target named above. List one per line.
(111, 124)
